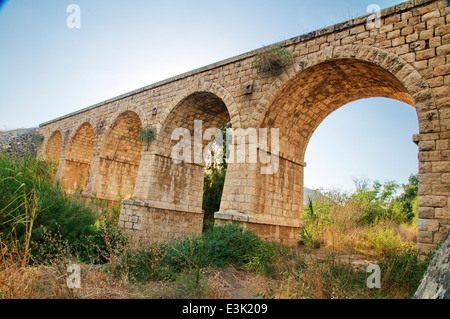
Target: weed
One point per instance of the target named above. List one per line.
(272, 59)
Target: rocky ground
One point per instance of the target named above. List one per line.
(20, 142)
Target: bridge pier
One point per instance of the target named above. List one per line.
(152, 224)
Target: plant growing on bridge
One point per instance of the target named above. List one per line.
(272, 59)
(38, 139)
(148, 134)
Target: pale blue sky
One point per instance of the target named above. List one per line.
(48, 70)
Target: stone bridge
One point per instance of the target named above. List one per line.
(406, 57)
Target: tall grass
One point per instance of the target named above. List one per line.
(33, 205)
(43, 229)
(371, 221)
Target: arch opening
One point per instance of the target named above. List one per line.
(77, 163)
(370, 140)
(195, 114)
(119, 159)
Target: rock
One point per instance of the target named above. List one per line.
(435, 283)
(18, 143)
(231, 214)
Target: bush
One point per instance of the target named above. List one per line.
(272, 59)
(100, 242)
(34, 207)
(384, 242)
(404, 271)
(380, 202)
(218, 247)
(142, 264)
(317, 218)
(222, 246)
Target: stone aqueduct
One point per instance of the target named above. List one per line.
(406, 58)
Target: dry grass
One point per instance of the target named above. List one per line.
(335, 270)
(339, 231)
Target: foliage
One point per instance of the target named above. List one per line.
(147, 135)
(375, 202)
(333, 278)
(191, 284)
(213, 183)
(383, 241)
(404, 270)
(373, 220)
(142, 263)
(212, 193)
(218, 247)
(38, 139)
(272, 59)
(316, 219)
(33, 207)
(221, 246)
(380, 203)
(406, 203)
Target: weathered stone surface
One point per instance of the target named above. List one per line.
(19, 143)
(436, 281)
(231, 215)
(405, 59)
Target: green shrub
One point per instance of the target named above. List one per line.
(404, 271)
(222, 246)
(380, 202)
(272, 59)
(142, 264)
(218, 247)
(316, 218)
(100, 242)
(384, 241)
(191, 284)
(213, 182)
(147, 135)
(27, 185)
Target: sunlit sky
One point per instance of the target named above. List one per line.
(48, 70)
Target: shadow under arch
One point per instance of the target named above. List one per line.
(53, 148)
(77, 162)
(119, 158)
(186, 177)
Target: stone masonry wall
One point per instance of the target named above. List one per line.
(406, 58)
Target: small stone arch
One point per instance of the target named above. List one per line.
(119, 156)
(84, 120)
(123, 107)
(210, 87)
(53, 148)
(78, 157)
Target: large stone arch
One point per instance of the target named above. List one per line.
(78, 157)
(297, 102)
(119, 157)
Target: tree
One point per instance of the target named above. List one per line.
(406, 201)
(213, 183)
